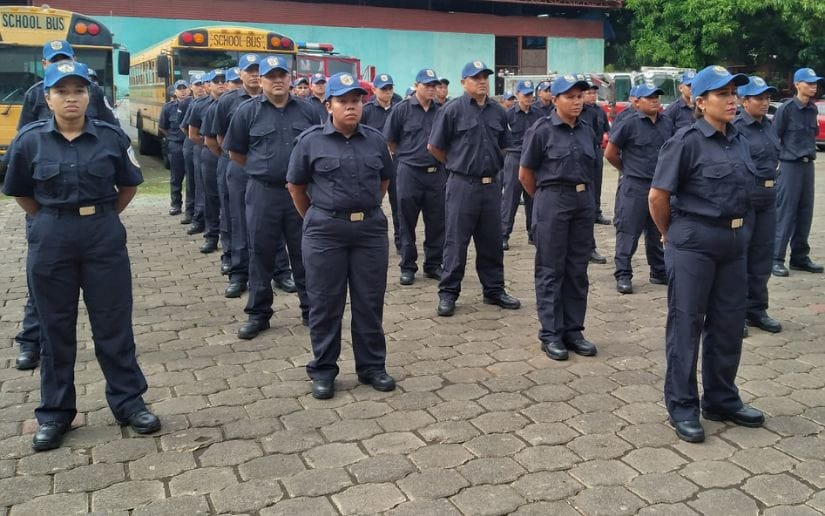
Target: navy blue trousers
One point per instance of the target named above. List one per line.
(420, 192)
(563, 234)
(199, 216)
(271, 218)
(632, 218)
(341, 255)
(236, 180)
(177, 171)
(67, 254)
(224, 222)
(760, 250)
(511, 194)
(191, 181)
(211, 198)
(29, 335)
(707, 285)
(794, 210)
(473, 209)
(598, 177)
(392, 193)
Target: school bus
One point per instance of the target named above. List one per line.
(23, 32)
(190, 52)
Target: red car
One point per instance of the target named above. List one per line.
(820, 118)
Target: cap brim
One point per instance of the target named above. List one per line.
(344, 91)
(528, 91)
(430, 80)
(578, 84)
(479, 72)
(657, 91)
(275, 69)
(811, 79)
(66, 76)
(738, 79)
(250, 65)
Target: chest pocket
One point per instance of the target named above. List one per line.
(49, 182)
(466, 125)
(262, 139)
(726, 185)
(97, 178)
(412, 127)
(299, 127)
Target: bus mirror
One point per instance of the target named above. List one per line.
(123, 62)
(162, 67)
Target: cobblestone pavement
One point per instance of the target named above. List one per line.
(481, 423)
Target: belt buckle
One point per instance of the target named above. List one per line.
(769, 183)
(581, 187)
(432, 170)
(736, 223)
(86, 210)
(486, 180)
(356, 216)
(806, 159)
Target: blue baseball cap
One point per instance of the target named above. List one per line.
(382, 80)
(58, 71)
(687, 77)
(544, 85)
(341, 84)
(180, 83)
(270, 63)
(508, 95)
(409, 92)
(217, 72)
(524, 87)
(233, 74)
(714, 77)
(317, 78)
(444, 80)
(300, 80)
(57, 47)
(566, 82)
(648, 90)
(634, 92)
(196, 78)
(426, 76)
(247, 60)
(755, 86)
(474, 68)
(805, 75)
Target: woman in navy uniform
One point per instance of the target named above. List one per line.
(556, 168)
(169, 125)
(73, 175)
(764, 148)
(700, 198)
(338, 175)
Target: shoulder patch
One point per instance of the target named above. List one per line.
(131, 153)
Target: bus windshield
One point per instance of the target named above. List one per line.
(194, 60)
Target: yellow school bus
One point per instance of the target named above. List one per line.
(190, 52)
(23, 32)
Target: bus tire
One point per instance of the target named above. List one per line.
(148, 145)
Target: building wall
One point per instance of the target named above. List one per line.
(567, 55)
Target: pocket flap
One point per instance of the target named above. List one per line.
(46, 171)
(327, 164)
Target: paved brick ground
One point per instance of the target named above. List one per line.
(482, 422)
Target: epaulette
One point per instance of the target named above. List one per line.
(308, 131)
(373, 129)
(31, 125)
(682, 132)
(106, 125)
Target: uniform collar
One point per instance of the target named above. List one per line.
(88, 127)
(470, 101)
(798, 103)
(555, 120)
(415, 102)
(708, 130)
(516, 109)
(641, 116)
(264, 100)
(748, 119)
(330, 129)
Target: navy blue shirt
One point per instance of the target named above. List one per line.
(763, 143)
(208, 121)
(58, 173)
(266, 135)
(472, 136)
(226, 107)
(35, 107)
(318, 107)
(409, 127)
(185, 105)
(170, 118)
(194, 115)
(597, 119)
(558, 153)
(681, 113)
(541, 108)
(341, 174)
(796, 127)
(375, 115)
(519, 122)
(706, 172)
(640, 139)
(626, 112)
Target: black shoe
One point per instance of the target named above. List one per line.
(142, 422)
(505, 244)
(604, 221)
(745, 332)
(407, 278)
(235, 289)
(174, 210)
(446, 307)
(305, 320)
(690, 431)
(555, 350)
(186, 220)
(779, 270)
(658, 280)
(380, 381)
(624, 286)
(194, 229)
(765, 322)
(504, 300)
(49, 435)
(745, 416)
(287, 284)
(27, 359)
(807, 265)
(595, 257)
(251, 328)
(323, 389)
(210, 245)
(434, 273)
(530, 240)
(226, 268)
(582, 347)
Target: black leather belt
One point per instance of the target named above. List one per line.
(79, 211)
(804, 159)
(269, 183)
(352, 216)
(484, 180)
(564, 187)
(713, 221)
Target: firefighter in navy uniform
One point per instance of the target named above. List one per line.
(338, 175)
(169, 126)
(556, 168)
(442, 91)
(300, 87)
(190, 214)
(260, 138)
(681, 111)
(543, 103)
(469, 136)
(190, 125)
(520, 117)
(73, 174)
(699, 199)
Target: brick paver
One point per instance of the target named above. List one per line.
(481, 423)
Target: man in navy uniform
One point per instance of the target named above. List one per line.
(169, 127)
(300, 87)
(420, 177)
(543, 104)
(195, 113)
(681, 111)
(469, 136)
(190, 213)
(442, 91)
(260, 138)
(796, 126)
